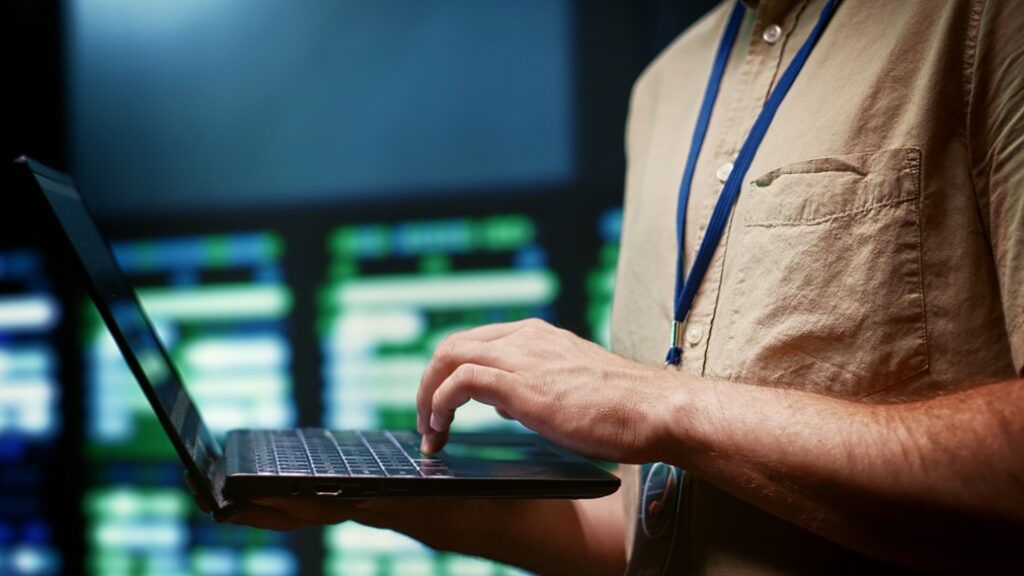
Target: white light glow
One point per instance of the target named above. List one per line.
(360, 329)
(142, 535)
(28, 405)
(359, 539)
(263, 351)
(35, 313)
(217, 302)
(28, 359)
(453, 291)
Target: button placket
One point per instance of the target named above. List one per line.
(694, 334)
(772, 33)
(766, 58)
(756, 74)
(695, 349)
(723, 171)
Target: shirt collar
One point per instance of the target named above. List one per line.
(771, 9)
(755, 4)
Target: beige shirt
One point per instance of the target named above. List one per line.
(876, 251)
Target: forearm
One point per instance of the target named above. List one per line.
(557, 536)
(943, 475)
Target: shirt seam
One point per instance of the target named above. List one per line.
(718, 298)
(794, 17)
(1015, 326)
(734, 121)
(831, 217)
(970, 54)
(1012, 331)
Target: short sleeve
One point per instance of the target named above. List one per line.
(994, 77)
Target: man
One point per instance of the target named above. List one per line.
(849, 395)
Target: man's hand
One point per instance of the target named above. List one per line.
(567, 389)
(441, 524)
(448, 525)
(578, 536)
(571, 391)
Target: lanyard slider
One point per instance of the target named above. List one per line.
(677, 333)
(675, 352)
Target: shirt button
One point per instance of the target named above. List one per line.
(772, 33)
(723, 171)
(694, 334)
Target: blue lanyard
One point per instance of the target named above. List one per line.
(653, 548)
(686, 290)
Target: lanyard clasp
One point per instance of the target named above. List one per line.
(675, 351)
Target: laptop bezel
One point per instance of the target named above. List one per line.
(209, 485)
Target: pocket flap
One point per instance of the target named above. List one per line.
(824, 189)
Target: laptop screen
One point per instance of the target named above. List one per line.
(131, 328)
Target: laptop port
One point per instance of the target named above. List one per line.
(326, 489)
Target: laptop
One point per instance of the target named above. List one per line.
(302, 462)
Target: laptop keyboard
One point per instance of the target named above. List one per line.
(317, 452)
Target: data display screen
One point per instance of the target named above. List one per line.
(393, 292)
(226, 308)
(221, 307)
(601, 278)
(30, 413)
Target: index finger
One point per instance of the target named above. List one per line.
(451, 354)
(473, 346)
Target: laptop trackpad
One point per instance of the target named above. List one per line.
(490, 456)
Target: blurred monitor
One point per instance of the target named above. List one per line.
(601, 278)
(221, 306)
(30, 416)
(393, 292)
(179, 105)
(322, 128)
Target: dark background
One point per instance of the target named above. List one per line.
(612, 42)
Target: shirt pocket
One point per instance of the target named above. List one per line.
(828, 291)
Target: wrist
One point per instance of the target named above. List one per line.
(492, 529)
(555, 536)
(673, 417)
(501, 530)
(484, 526)
(461, 526)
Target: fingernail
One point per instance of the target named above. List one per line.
(419, 423)
(435, 423)
(425, 446)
